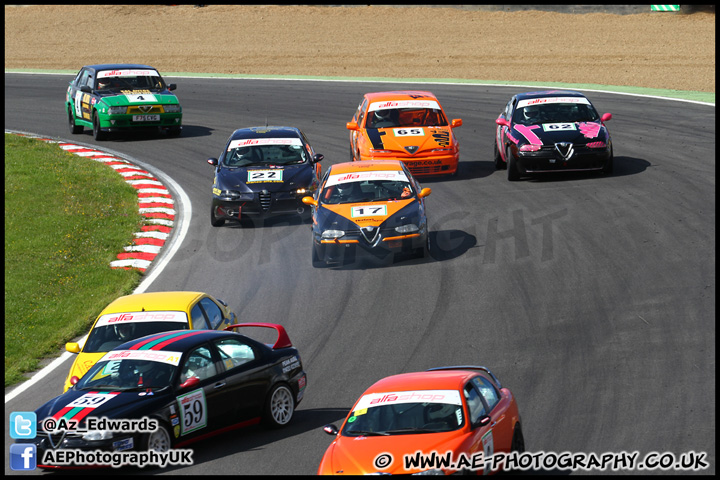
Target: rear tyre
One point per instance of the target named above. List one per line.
(279, 406)
(512, 172)
(97, 132)
(74, 128)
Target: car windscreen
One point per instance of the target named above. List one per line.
(115, 329)
(403, 419)
(129, 80)
(554, 112)
(406, 117)
(265, 152)
(132, 369)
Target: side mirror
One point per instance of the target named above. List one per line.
(456, 122)
(330, 429)
(352, 126)
(318, 157)
(502, 122)
(424, 192)
(86, 89)
(172, 86)
(309, 201)
(212, 161)
(605, 117)
(190, 382)
(72, 347)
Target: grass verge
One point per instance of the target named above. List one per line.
(66, 218)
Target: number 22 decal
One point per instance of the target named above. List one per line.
(257, 176)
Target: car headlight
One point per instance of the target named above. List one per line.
(98, 435)
(232, 195)
(301, 191)
(332, 234)
(116, 110)
(172, 108)
(409, 228)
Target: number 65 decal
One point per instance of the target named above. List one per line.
(369, 211)
(408, 132)
(257, 176)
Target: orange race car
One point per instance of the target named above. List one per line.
(444, 420)
(371, 207)
(410, 126)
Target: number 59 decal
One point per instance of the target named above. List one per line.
(193, 411)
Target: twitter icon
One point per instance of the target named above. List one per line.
(23, 425)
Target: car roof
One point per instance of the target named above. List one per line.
(265, 132)
(118, 66)
(549, 93)
(152, 301)
(398, 95)
(365, 165)
(429, 380)
(175, 340)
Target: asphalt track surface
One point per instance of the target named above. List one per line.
(591, 297)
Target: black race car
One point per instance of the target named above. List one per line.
(120, 96)
(550, 131)
(263, 171)
(192, 383)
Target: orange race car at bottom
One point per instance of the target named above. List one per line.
(411, 423)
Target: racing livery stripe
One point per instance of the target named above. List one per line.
(154, 339)
(156, 343)
(375, 137)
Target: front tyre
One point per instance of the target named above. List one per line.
(499, 164)
(97, 132)
(608, 167)
(74, 128)
(317, 262)
(279, 406)
(159, 440)
(513, 174)
(214, 221)
(518, 441)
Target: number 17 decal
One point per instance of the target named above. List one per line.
(369, 211)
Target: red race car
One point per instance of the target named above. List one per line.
(444, 412)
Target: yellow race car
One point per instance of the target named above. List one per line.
(134, 316)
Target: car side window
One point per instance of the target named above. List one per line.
(234, 352)
(474, 402)
(85, 79)
(213, 312)
(198, 364)
(488, 391)
(361, 111)
(198, 318)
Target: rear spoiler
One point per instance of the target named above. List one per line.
(283, 341)
(470, 367)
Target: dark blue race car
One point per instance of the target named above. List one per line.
(550, 131)
(188, 383)
(263, 171)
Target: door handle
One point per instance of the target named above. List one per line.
(219, 385)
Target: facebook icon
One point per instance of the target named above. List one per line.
(23, 456)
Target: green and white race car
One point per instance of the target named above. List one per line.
(115, 97)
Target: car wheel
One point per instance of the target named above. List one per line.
(518, 441)
(159, 440)
(174, 132)
(74, 129)
(279, 406)
(608, 168)
(214, 221)
(317, 262)
(97, 133)
(512, 171)
(499, 164)
(424, 251)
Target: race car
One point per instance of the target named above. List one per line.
(263, 171)
(551, 131)
(134, 316)
(120, 96)
(410, 126)
(374, 207)
(462, 410)
(185, 385)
